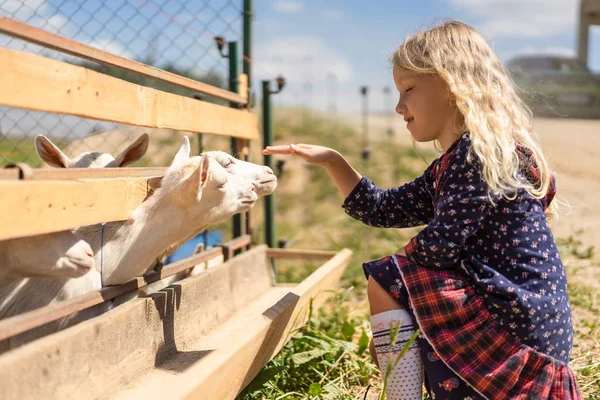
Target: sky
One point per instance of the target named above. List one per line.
(354, 39)
(325, 49)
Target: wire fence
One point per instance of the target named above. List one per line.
(175, 35)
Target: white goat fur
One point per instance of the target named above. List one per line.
(194, 193)
(60, 254)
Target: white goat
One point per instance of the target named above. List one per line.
(56, 255)
(53, 156)
(60, 254)
(194, 193)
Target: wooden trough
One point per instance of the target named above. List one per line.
(203, 337)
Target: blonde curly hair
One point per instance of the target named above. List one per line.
(489, 107)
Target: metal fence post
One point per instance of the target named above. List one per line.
(247, 69)
(233, 86)
(268, 141)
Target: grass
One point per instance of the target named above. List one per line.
(328, 358)
(14, 150)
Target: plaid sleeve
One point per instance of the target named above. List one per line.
(462, 205)
(408, 205)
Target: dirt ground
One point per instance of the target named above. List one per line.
(573, 150)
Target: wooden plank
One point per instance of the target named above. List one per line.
(37, 83)
(235, 244)
(55, 42)
(178, 343)
(590, 7)
(243, 86)
(45, 174)
(9, 174)
(300, 254)
(32, 208)
(249, 346)
(24, 322)
(102, 355)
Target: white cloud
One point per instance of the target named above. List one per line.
(288, 7)
(59, 24)
(333, 15)
(298, 57)
(518, 18)
(14, 6)
(305, 62)
(23, 10)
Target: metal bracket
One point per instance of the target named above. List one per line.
(25, 171)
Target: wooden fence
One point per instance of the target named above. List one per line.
(216, 317)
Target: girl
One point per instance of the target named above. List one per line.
(483, 281)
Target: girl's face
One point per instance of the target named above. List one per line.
(425, 104)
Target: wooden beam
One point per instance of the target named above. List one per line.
(243, 86)
(24, 322)
(204, 337)
(55, 42)
(37, 83)
(590, 7)
(70, 174)
(252, 341)
(300, 254)
(114, 350)
(33, 208)
(235, 244)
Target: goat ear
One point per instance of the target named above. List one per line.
(204, 165)
(183, 154)
(49, 153)
(197, 180)
(134, 152)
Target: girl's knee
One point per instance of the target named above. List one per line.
(379, 299)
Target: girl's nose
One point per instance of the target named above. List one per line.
(400, 108)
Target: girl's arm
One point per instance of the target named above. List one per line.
(404, 206)
(341, 172)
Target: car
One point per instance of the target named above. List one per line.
(556, 86)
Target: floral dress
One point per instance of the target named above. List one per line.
(483, 280)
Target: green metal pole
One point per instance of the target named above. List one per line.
(247, 69)
(268, 141)
(247, 64)
(233, 86)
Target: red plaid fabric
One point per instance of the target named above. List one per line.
(459, 327)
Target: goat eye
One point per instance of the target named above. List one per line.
(227, 163)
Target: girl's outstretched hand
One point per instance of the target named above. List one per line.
(343, 175)
(310, 153)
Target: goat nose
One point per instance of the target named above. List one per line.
(253, 187)
(269, 171)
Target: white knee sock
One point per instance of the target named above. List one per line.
(405, 382)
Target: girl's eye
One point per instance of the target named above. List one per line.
(408, 90)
